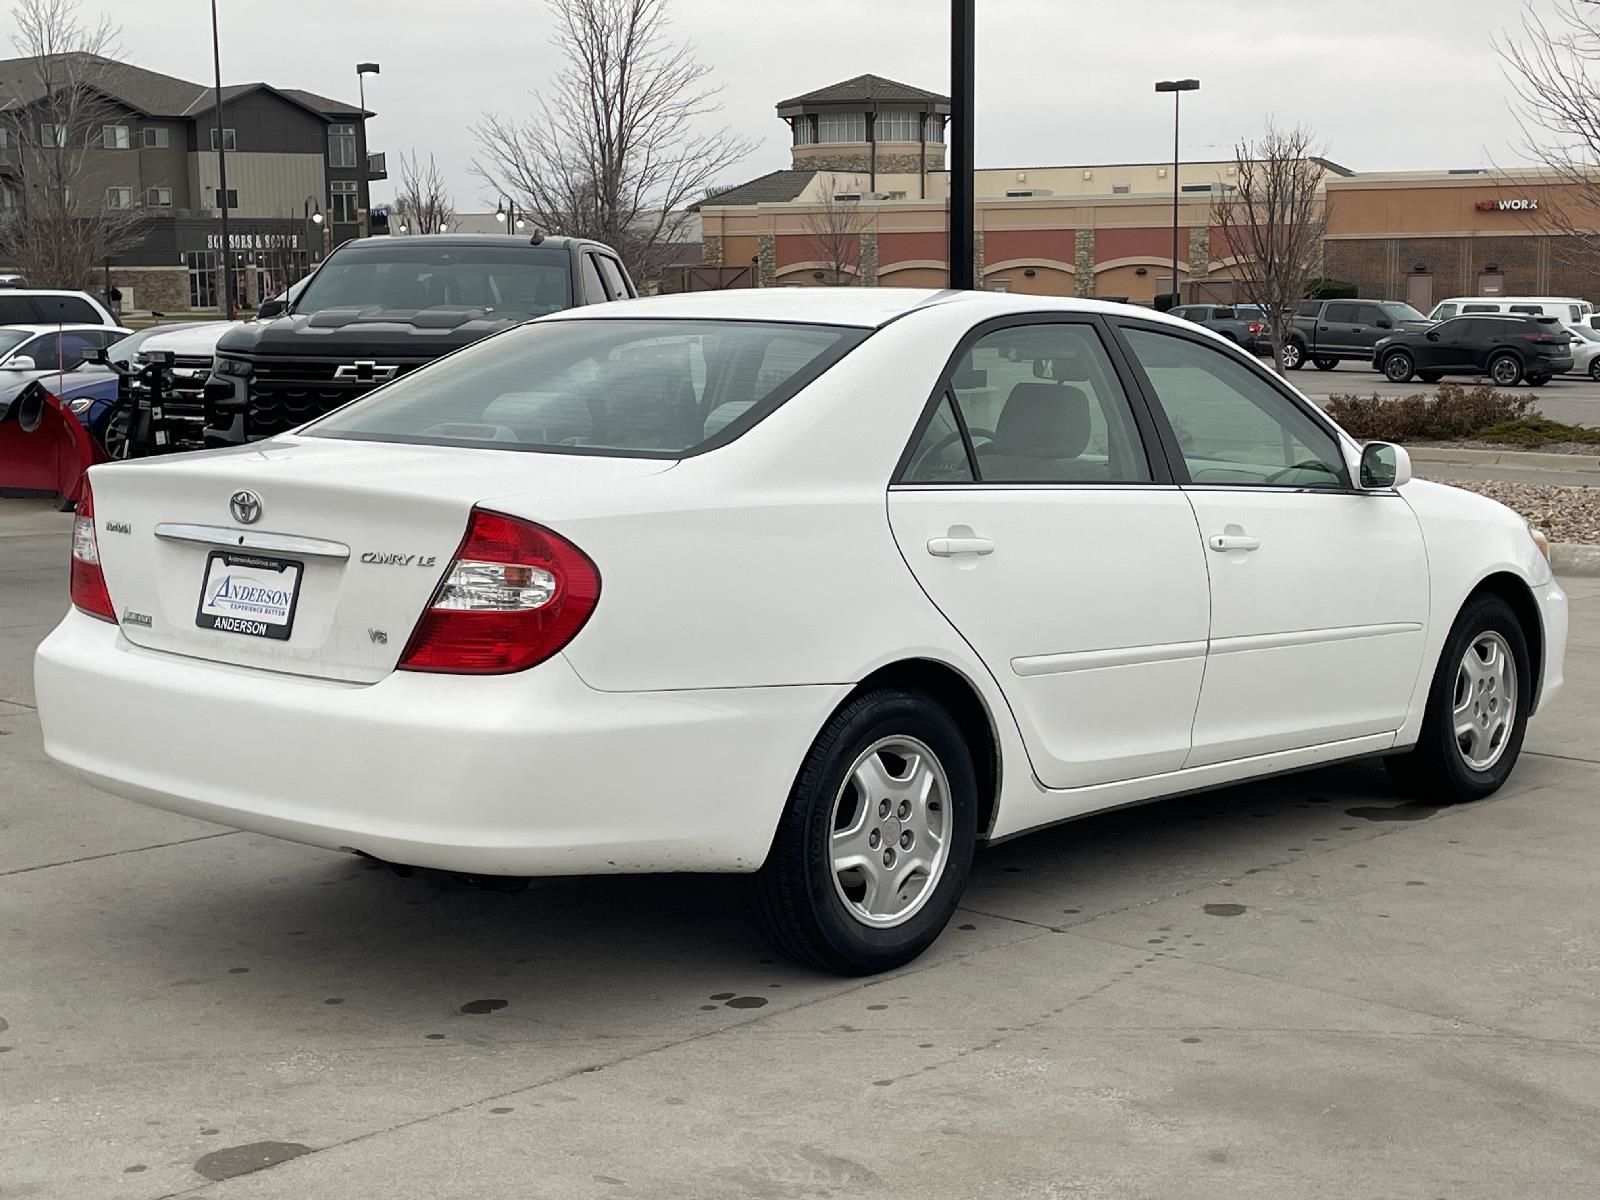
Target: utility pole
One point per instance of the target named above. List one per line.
(962, 31)
(222, 171)
(1177, 87)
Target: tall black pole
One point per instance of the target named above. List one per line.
(1177, 290)
(962, 32)
(222, 170)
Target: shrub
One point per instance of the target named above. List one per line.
(1452, 413)
(1537, 431)
(1331, 289)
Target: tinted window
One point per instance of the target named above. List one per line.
(1222, 314)
(594, 289)
(1308, 308)
(1043, 404)
(73, 345)
(1233, 426)
(1370, 314)
(10, 339)
(517, 279)
(1341, 313)
(1532, 309)
(45, 352)
(613, 277)
(1444, 312)
(659, 388)
(940, 455)
(66, 310)
(1480, 308)
(16, 310)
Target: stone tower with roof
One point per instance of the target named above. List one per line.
(868, 124)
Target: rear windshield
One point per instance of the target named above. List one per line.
(649, 388)
(520, 279)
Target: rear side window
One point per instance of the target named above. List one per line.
(1536, 310)
(65, 310)
(658, 389)
(16, 310)
(1309, 308)
(1480, 308)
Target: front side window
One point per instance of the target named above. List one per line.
(45, 352)
(341, 145)
(1042, 404)
(344, 200)
(115, 137)
(229, 142)
(842, 127)
(1342, 314)
(648, 388)
(594, 288)
(1444, 312)
(612, 274)
(1232, 426)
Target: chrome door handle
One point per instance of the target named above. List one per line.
(1223, 542)
(946, 547)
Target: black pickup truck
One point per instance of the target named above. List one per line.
(1327, 332)
(380, 307)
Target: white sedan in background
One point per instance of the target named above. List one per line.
(824, 586)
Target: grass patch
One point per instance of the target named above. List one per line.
(1536, 431)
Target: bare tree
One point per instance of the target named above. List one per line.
(61, 226)
(613, 148)
(1273, 224)
(834, 226)
(423, 202)
(1553, 71)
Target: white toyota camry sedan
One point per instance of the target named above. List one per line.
(823, 586)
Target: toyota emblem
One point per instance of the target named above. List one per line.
(245, 506)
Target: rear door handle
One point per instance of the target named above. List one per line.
(1223, 542)
(947, 547)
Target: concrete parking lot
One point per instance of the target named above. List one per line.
(1572, 400)
(1304, 988)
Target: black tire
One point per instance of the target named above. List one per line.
(1505, 370)
(1538, 380)
(1435, 769)
(1398, 366)
(1594, 368)
(1430, 376)
(1324, 363)
(794, 898)
(1294, 355)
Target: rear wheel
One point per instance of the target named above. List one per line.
(1294, 356)
(1505, 370)
(1324, 363)
(875, 845)
(1477, 709)
(1398, 366)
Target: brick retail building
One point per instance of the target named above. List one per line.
(868, 162)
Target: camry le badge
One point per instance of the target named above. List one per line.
(245, 506)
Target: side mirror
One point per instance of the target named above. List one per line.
(1384, 465)
(96, 355)
(271, 308)
(1432, 337)
(1384, 323)
(20, 362)
(30, 406)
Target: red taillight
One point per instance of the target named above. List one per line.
(1543, 338)
(1257, 327)
(88, 580)
(515, 594)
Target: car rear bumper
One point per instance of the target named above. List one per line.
(527, 774)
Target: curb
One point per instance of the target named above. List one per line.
(1574, 558)
(1528, 460)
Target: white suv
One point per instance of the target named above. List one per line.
(37, 306)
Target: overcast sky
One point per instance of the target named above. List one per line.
(1385, 85)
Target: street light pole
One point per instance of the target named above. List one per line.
(222, 170)
(962, 240)
(1177, 87)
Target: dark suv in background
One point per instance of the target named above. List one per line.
(380, 307)
(1505, 348)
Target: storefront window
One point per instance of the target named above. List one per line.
(203, 267)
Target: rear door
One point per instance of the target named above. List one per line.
(1033, 516)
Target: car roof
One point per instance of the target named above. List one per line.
(861, 307)
(64, 327)
(462, 239)
(1512, 300)
(47, 292)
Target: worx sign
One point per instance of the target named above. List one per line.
(1507, 206)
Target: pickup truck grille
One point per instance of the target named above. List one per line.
(286, 394)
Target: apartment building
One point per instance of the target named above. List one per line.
(298, 171)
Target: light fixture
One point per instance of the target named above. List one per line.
(1141, 271)
(317, 218)
(1030, 272)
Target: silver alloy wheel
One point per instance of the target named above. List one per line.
(1504, 370)
(1291, 356)
(890, 832)
(1594, 367)
(1484, 705)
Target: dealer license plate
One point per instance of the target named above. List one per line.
(249, 594)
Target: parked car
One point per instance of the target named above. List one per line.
(1507, 349)
(1235, 324)
(1569, 310)
(45, 348)
(1585, 350)
(378, 308)
(649, 588)
(1328, 332)
(40, 306)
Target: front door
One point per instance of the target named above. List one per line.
(1032, 515)
(1319, 592)
(1371, 324)
(1336, 329)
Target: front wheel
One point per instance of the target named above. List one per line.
(1294, 356)
(1477, 710)
(1398, 366)
(1594, 368)
(875, 844)
(1324, 363)
(1505, 370)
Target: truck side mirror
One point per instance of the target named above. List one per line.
(271, 308)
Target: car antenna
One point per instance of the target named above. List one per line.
(538, 236)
